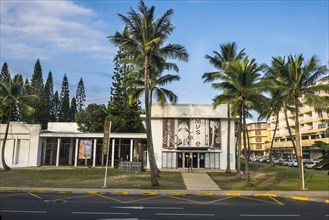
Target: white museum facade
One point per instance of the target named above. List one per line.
(178, 131)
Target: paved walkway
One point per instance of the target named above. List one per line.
(199, 181)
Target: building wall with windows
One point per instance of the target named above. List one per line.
(258, 138)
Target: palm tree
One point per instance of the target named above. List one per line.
(11, 95)
(143, 38)
(242, 88)
(227, 54)
(300, 85)
(157, 81)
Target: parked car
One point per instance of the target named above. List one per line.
(292, 162)
(283, 162)
(311, 164)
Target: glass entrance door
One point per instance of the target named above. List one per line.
(179, 160)
(195, 160)
(202, 161)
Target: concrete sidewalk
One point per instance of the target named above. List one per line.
(199, 181)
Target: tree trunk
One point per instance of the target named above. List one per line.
(5, 166)
(228, 164)
(272, 142)
(238, 146)
(150, 149)
(299, 153)
(289, 130)
(246, 158)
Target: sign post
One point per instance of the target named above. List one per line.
(106, 146)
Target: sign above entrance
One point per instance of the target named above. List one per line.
(192, 148)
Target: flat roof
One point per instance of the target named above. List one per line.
(93, 135)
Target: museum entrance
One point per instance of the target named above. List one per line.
(198, 159)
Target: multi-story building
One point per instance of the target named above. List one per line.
(258, 137)
(313, 127)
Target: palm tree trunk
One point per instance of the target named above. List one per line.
(228, 167)
(289, 130)
(5, 166)
(238, 147)
(272, 142)
(298, 140)
(150, 149)
(246, 158)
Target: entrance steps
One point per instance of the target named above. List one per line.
(199, 181)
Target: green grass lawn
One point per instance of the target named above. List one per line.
(86, 178)
(264, 177)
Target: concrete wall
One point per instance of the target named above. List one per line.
(23, 148)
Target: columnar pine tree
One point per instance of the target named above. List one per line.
(80, 95)
(64, 101)
(55, 111)
(37, 89)
(73, 109)
(124, 117)
(49, 94)
(4, 76)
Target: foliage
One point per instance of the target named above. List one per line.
(37, 89)
(49, 96)
(92, 118)
(80, 95)
(11, 96)
(125, 116)
(73, 109)
(324, 163)
(64, 113)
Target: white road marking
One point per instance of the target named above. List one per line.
(23, 211)
(117, 219)
(142, 207)
(100, 213)
(246, 215)
(184, 214)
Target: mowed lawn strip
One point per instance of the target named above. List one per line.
(265, 177)
(86, 178)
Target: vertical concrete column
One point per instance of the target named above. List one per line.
(76, 152)
(131, 149)
(112, 156)
(119, 150)
(94, 152)
(58, 151)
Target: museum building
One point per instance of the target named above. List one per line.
(178, 131)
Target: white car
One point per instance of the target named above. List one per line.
(292, 163)
(311, 164)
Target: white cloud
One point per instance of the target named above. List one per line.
(41, 28)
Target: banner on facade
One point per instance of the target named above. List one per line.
(168, 136)
(85, 149)
(183, 133)
(214, 134)
(199, 133)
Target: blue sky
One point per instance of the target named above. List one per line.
(70, 37)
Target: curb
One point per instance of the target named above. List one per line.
(163, 192)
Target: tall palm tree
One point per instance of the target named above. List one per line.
(157, 82)
(300, 79)
(143, 38)
(242, 87)
(11, 95)
(228, 53)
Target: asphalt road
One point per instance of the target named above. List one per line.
(51, 206)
